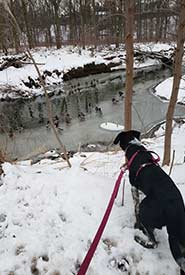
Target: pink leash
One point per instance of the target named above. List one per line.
(85, 264)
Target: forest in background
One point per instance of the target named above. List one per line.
(84, 22)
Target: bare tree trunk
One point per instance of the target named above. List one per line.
(71, 21)
(176, 82)
(145, 29)
(58, 34)
(82, 29)
(14, 31)
(129, 64)
(94, 23)
(151, 29)
(55, 7)
(14, 26)
(157, 29)
(165, 28)
(27, 26)
(139, 21)
(16, 39)
(48, 37)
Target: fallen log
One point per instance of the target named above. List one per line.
(89, 69)
(16, 61)
(165, 56)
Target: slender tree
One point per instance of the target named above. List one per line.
(55, 6)
(25, 6)
(176, 82)
(129, 64)
(94, 23)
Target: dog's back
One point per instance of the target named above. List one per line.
(163, 204)
(159, 188)
(151, 179)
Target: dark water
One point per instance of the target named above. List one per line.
(147, 111)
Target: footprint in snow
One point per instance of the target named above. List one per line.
(120, 263)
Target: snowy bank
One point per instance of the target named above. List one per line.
(49, 214)
(15, 81)
(164, 89)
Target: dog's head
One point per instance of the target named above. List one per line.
(123, 138)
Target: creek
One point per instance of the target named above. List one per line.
(86, 95)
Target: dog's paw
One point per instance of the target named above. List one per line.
(145, 242)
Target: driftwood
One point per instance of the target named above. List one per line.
(89, 69)
(15, 61)
(31, 63)
(166, 57)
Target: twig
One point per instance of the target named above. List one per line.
(84, 162)
(79, 147)
(171, 166)
(48, 102)
(30, 63)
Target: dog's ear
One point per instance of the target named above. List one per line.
(124, 138)
(118, 138)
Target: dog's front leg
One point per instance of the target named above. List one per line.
(135, 196)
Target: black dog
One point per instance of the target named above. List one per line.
(163, 204)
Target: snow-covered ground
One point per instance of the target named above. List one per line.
(49, 214)
(164, 89)
(11, 79)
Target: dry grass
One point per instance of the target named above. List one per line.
(20, 249)
(34, 269)
(2, 159)
(56, 273)
(2, 156)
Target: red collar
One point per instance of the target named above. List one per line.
(154, 161)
